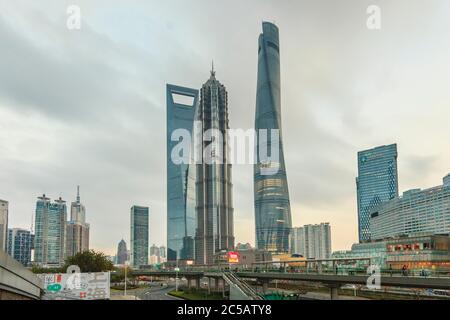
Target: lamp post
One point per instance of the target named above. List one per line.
(126, 267)
(176, 277)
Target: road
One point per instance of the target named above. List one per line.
(157, 292)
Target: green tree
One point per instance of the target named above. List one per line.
(90, 261)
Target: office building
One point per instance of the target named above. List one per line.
(50, 232)
(271, 193)
(181, 106)
(77, 230)
(162, 252)
(214, 202)
(377, 182)
(312, 241)
(139, 235)
(122, 253)
(20, 244)
(417, 212)
(3, 224)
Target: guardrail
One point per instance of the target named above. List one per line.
(231, 278)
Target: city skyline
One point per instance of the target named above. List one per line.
(325, 123)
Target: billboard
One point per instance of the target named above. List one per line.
(233, 257)
(76, 286)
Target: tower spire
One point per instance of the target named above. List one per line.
(78, 194)
(213, 73)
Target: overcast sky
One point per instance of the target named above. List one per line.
(87, 106)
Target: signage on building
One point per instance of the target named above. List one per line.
(76, 286)
(233, 257)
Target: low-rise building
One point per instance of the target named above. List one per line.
(415, 252)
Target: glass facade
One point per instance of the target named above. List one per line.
(272, 206)
(214, 202)
(416, 252)
(416, 212)
(376, 251)
(122, 253)
(20, 243)
(50, 229)
(139, 236)
(377, 182)
(180, 177)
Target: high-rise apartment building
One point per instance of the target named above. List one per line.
(77, 230)
(181, 106)
(417, 212)
(312, 241)
(3, 224)
(214, 202)
(20, 244)
(271, 193)
(139, 235)
(377, 182)
(50, 232)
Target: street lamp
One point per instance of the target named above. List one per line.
(126, 267)
(176, 277)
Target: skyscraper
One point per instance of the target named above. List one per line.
(214, 202)
(77, 230)
(3, 224)
(20, 243)
(377, 182)
(181, 105)
(312, 241)
(122, 253)
(271, 193)
(139, 236)
(50, 225)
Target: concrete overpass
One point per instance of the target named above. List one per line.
(333, 281)
(16, 281)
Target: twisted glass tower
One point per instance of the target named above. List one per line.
(272, 207)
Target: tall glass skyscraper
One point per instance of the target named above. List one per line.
(181, 105)
(214, 231)
(20, 243)
(122, 253)
(50, 232)
(272, 206)
(377, 182)
(139, 236)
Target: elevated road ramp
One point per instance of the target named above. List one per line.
(16, 281)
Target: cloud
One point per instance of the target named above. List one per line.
(88, 107)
